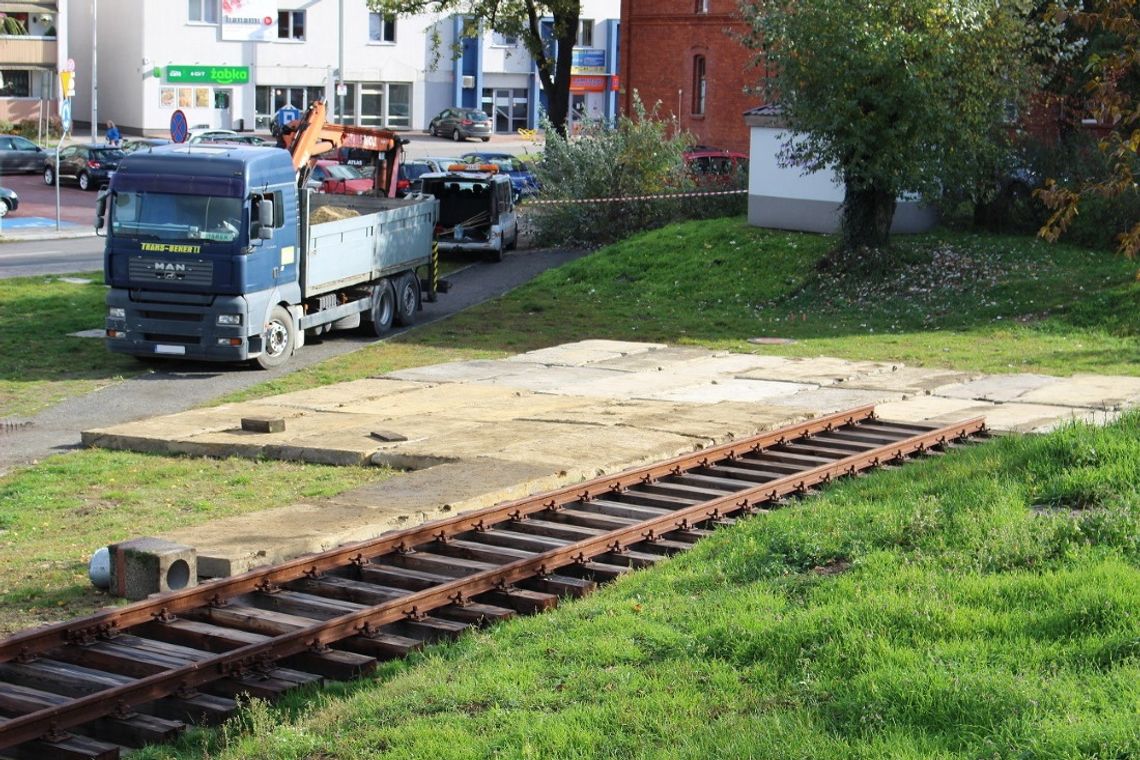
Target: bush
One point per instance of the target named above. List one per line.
(30, 129)
(636, 157)
(1072, 160)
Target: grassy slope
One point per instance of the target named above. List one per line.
(982, 604)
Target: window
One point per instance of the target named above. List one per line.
(586, 32)
(702, 6)
(15, 83)
(700, 84)
(290, 25)
(498, 39)
(381, 28)
(202, 11)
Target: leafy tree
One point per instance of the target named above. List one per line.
(521, 19)
(1110, 77)
(907, 96)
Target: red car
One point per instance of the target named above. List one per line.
(713, 165)
(342, 179)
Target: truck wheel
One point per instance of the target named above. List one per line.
(383, 308)
(456, 136)
(497, 254)
(407, 298)
(280, 339)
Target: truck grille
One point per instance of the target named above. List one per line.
(144, 270)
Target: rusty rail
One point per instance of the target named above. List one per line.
(596, 529)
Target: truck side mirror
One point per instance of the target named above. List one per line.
(265, 219)
(101, 210)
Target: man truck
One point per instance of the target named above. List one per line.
(221, 252)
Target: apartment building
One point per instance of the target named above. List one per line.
(233, 64)
(32, 50)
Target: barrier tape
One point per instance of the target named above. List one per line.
(654, 197)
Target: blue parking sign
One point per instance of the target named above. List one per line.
(286, 114)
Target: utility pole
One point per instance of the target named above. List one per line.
(340, 66)
(94, 74)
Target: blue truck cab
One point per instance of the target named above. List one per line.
(212, 253)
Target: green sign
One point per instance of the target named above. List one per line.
(207, 74)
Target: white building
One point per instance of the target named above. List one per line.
(233, 68)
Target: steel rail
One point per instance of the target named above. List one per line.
(416, 604)
(30, 643)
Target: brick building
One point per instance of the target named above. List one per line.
(686, 55)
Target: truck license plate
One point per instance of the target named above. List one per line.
(163, 349)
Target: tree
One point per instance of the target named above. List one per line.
(521, 19)
(907, 96)
(1110, 76)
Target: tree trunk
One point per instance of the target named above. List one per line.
(867, 216)
(558, 97)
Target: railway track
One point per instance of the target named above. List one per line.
(138, 674)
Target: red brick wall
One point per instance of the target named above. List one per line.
(659, 41)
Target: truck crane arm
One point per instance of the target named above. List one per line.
(312, 135)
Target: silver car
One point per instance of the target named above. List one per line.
(19, 154)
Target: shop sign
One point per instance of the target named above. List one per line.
(588, 61)
(249, 20)
(228, 75)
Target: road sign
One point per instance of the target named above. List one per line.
(179, 128)
(67, 83)
(65, 114)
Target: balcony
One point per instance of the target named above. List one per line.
(17, 50)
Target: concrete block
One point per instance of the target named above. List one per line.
(144, 566)
(263, 424)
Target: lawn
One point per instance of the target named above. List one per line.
(989, 607)
(981, 604)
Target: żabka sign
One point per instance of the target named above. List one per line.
(249, 20)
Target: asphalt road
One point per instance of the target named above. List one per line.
(176, 386)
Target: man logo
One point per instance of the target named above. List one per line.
(165, 270)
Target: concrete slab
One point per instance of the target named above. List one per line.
(659, 359)
(236, 544)
(583, 352)
(456, 372)
(558, 416)
(834, 399)
(1095, 391)
(821, 370)
(998, 388)
(912, 380)
(731, 390)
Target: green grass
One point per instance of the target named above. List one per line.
(977, 302)
(54, 515)
(981, 604)
(43, 362)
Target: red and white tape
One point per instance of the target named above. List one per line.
(658, 196)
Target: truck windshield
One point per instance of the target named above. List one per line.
(169, 216)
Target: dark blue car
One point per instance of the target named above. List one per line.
(523, 182)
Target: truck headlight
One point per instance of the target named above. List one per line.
(117, 312)
(229, 320)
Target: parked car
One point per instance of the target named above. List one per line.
(130, 145)
(88, 165)
(342, 179)
(476, 212)
(234, 139)
(461, 124)
(9, 201)
(523, 181)
(414, 168)
(714, 166)
(19, 154)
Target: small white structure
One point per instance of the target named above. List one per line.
(789, 198)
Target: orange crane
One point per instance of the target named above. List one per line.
(312, 134)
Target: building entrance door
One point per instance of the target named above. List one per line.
(507, 106)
